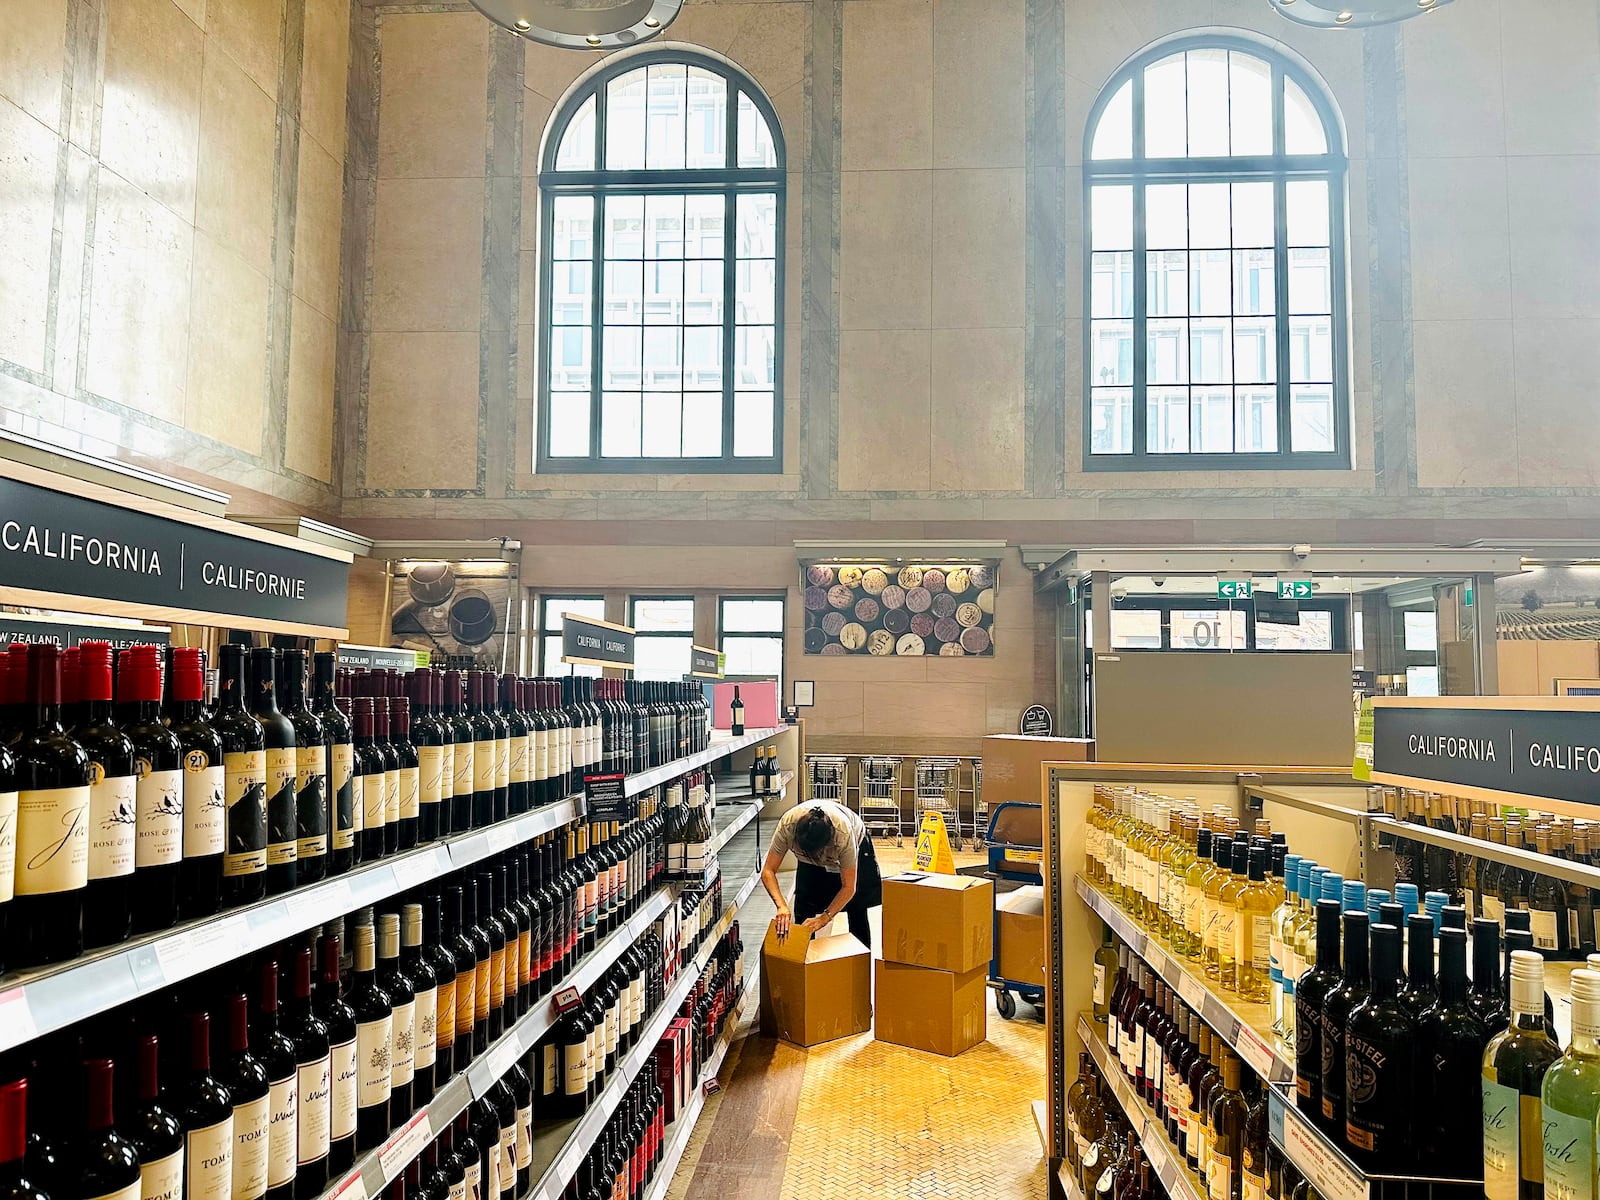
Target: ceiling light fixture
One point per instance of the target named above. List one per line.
(1354, 14)
(582, 24)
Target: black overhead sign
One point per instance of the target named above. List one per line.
(595, 643)
(705, 664)
(15, 628)
(68, 545)
(1530, 752)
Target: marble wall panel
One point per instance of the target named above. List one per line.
(33, 49)
(1557, 420)
(1455, 85)
(150, 115)
(978, 118)
(885, 249)
(1550, 55)
(428, 254)
(885, 398)
(1466, 409)
(319, 214)
(979, 274)
(308, 431)
(251, 33)
(1555, 236)
(238, 136)
(1460, 239)
(421, 382)
(28, 156)
(888, 85)
(434, 100)
(977, 420)
(226, 394)
(323, 87)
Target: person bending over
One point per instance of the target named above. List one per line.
(837, 870)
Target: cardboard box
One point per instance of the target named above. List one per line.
(814, 989)
(936, 1011)
(940, 921)
(1022, 957)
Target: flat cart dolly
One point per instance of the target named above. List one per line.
(880, 797)
(1016, 854)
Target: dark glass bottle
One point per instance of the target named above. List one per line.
(402, 992)
(427, 738)
(441, 962)
(382, 732)
(244, 865)
(158, 763)
(464, 952)
(1337, 1006)
(736, 714)
(276, 1052)
(113, 801)
(1310, 991)
(505, 1107)
(522, 1089)
(282, 772)
(1487, 998)
(205, 1107)
(424, 989)
(488, 918)
(374, 1043)
(16, 1182)
(205, 807)
(52, 870)
(569, 1047)
(370, 782)
(308, 1034)
(312, 808)
(484, 733)
(502, 745)
(1381, 1065)
(1421, 991)
(251, 1090)
(464, 769)
(105, 1165)
(465, 1155)
(338, 739)
(343, 1069)
(154, 1130)
(410, 780)
(517, 734)
(522, 909)
(1450, 1043)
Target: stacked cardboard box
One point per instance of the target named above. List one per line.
(1021, 936)
(814, 989)
(937, 940)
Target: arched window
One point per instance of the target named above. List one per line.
(662, 273)
(1215, 177)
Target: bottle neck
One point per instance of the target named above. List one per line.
(99, 1114)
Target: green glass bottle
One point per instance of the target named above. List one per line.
(1571, 1098)
(1514, 1066)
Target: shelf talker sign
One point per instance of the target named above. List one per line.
(705, 663)
(592, 643)
(378, 656)
(933, 846)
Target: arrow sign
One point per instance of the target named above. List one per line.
(1294, 589)
(1233, 589)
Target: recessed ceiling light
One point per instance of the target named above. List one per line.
(654, 23)
(1345, 16)
(524, 24)
(1424, 3)
(592, 40)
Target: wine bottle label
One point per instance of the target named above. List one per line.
(1260, 939)
(113, 823)
(575, 1061)
(160, 832)
(444, 1015)
(465, 769)
(1219, 1178)
(282, 826)
(502, 762)
(483, 753)
(458, 1189)
(518, 769)
(1501, 1138)
(474, 1177)
(208, 1161)
(508, 1158)
(1543, 924)
(372, 800)
(430, 774)
(549, 1070)
(403, 1060)
(341, 774)
(245, 792)
(410, 793)
(358, 804)
(374, 1056)
(1252, 1187)
(612, 1029)
(131, 1192)
(1495, 909)
(53, 840)
(282, 1130)
(346, 1081)
(314, 1083)
(1226, 929)
(466, 1001)
(491, 1167)
(311, 816)
(250, 1148)
(391, 796)
(524, 1137)
(524, 958)
(162, 1178)
(541, 754)
(204, 806)
(1194, 910)
(484, 985)
(8, 844)
(1099, 985)
(1568, 1156)
(425, 1032)
(1467, 897)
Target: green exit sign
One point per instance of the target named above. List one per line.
(1233, 589)
(1294, 589)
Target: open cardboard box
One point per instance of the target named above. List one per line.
(814, 988)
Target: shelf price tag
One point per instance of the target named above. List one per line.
(1255, 1050)
(353, 1188)
(405, 1145)
(1192, 991)
(16, 1019)
(567, 999)
(1333, 1179)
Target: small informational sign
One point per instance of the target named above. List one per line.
(592, 643)
(706, 663)
(67, 632)
(933, 846)
(1363, 681)
(712, 1087)
(605, 797)
(1294, 589)
(391, 658)
(567, 999)
(1036, 721)
(1361, 764)
(1234, 589)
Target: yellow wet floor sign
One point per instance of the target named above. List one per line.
(933, 846)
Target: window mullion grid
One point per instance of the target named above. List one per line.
(1280, 258)
(730, 265)
(1141, 366)
(597, 271)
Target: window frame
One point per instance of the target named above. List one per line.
(558, 669)
(1278, 168)
(1339, 608)
(724, 635)
(641, 635)
(599, 183)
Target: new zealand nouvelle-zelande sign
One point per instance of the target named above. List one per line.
(1536, 752)
(61, 544)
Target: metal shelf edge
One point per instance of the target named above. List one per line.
(717, 750)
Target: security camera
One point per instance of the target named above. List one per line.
(1119, 593)
(1159, 580)
(1302, 552)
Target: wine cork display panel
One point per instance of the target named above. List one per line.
(900, 609)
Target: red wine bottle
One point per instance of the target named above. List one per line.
(374, 1043)
(502, 745)
(340, 1020)
(488, 918)
(52, 841)
(463, 951)
(113, 797)
(428, 740)
(8, 842)
(424, 989)
(369, 780)
(206, 1109)
(282, 772)
(205, 805)
(276, 1051)
(313, 1083)
(251, 1091)
(154, 1130)
(244, 755)
(466, 1155)
(410, 781)
(311, 773)
(443, 965)
(15, 1183)
(381, 735)
(402, 993)
(105, 1164)
(338, 742)
(158, 762)
(485, 732)
(463, 768)
(517, 721)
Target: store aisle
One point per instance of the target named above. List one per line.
(860, 1117)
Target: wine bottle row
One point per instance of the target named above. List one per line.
(128, 804)
(766, 777)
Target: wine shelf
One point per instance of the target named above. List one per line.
(1068, 1182)
(736, 788)
(1180, 1183)
(681, 1130)
(741, 816)
(1246, 1028)
(722, 745)
(50, 998)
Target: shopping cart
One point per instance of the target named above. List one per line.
(880, 797)
(938, 789)
(825, 776)
(1016, 853)
(980, 807)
